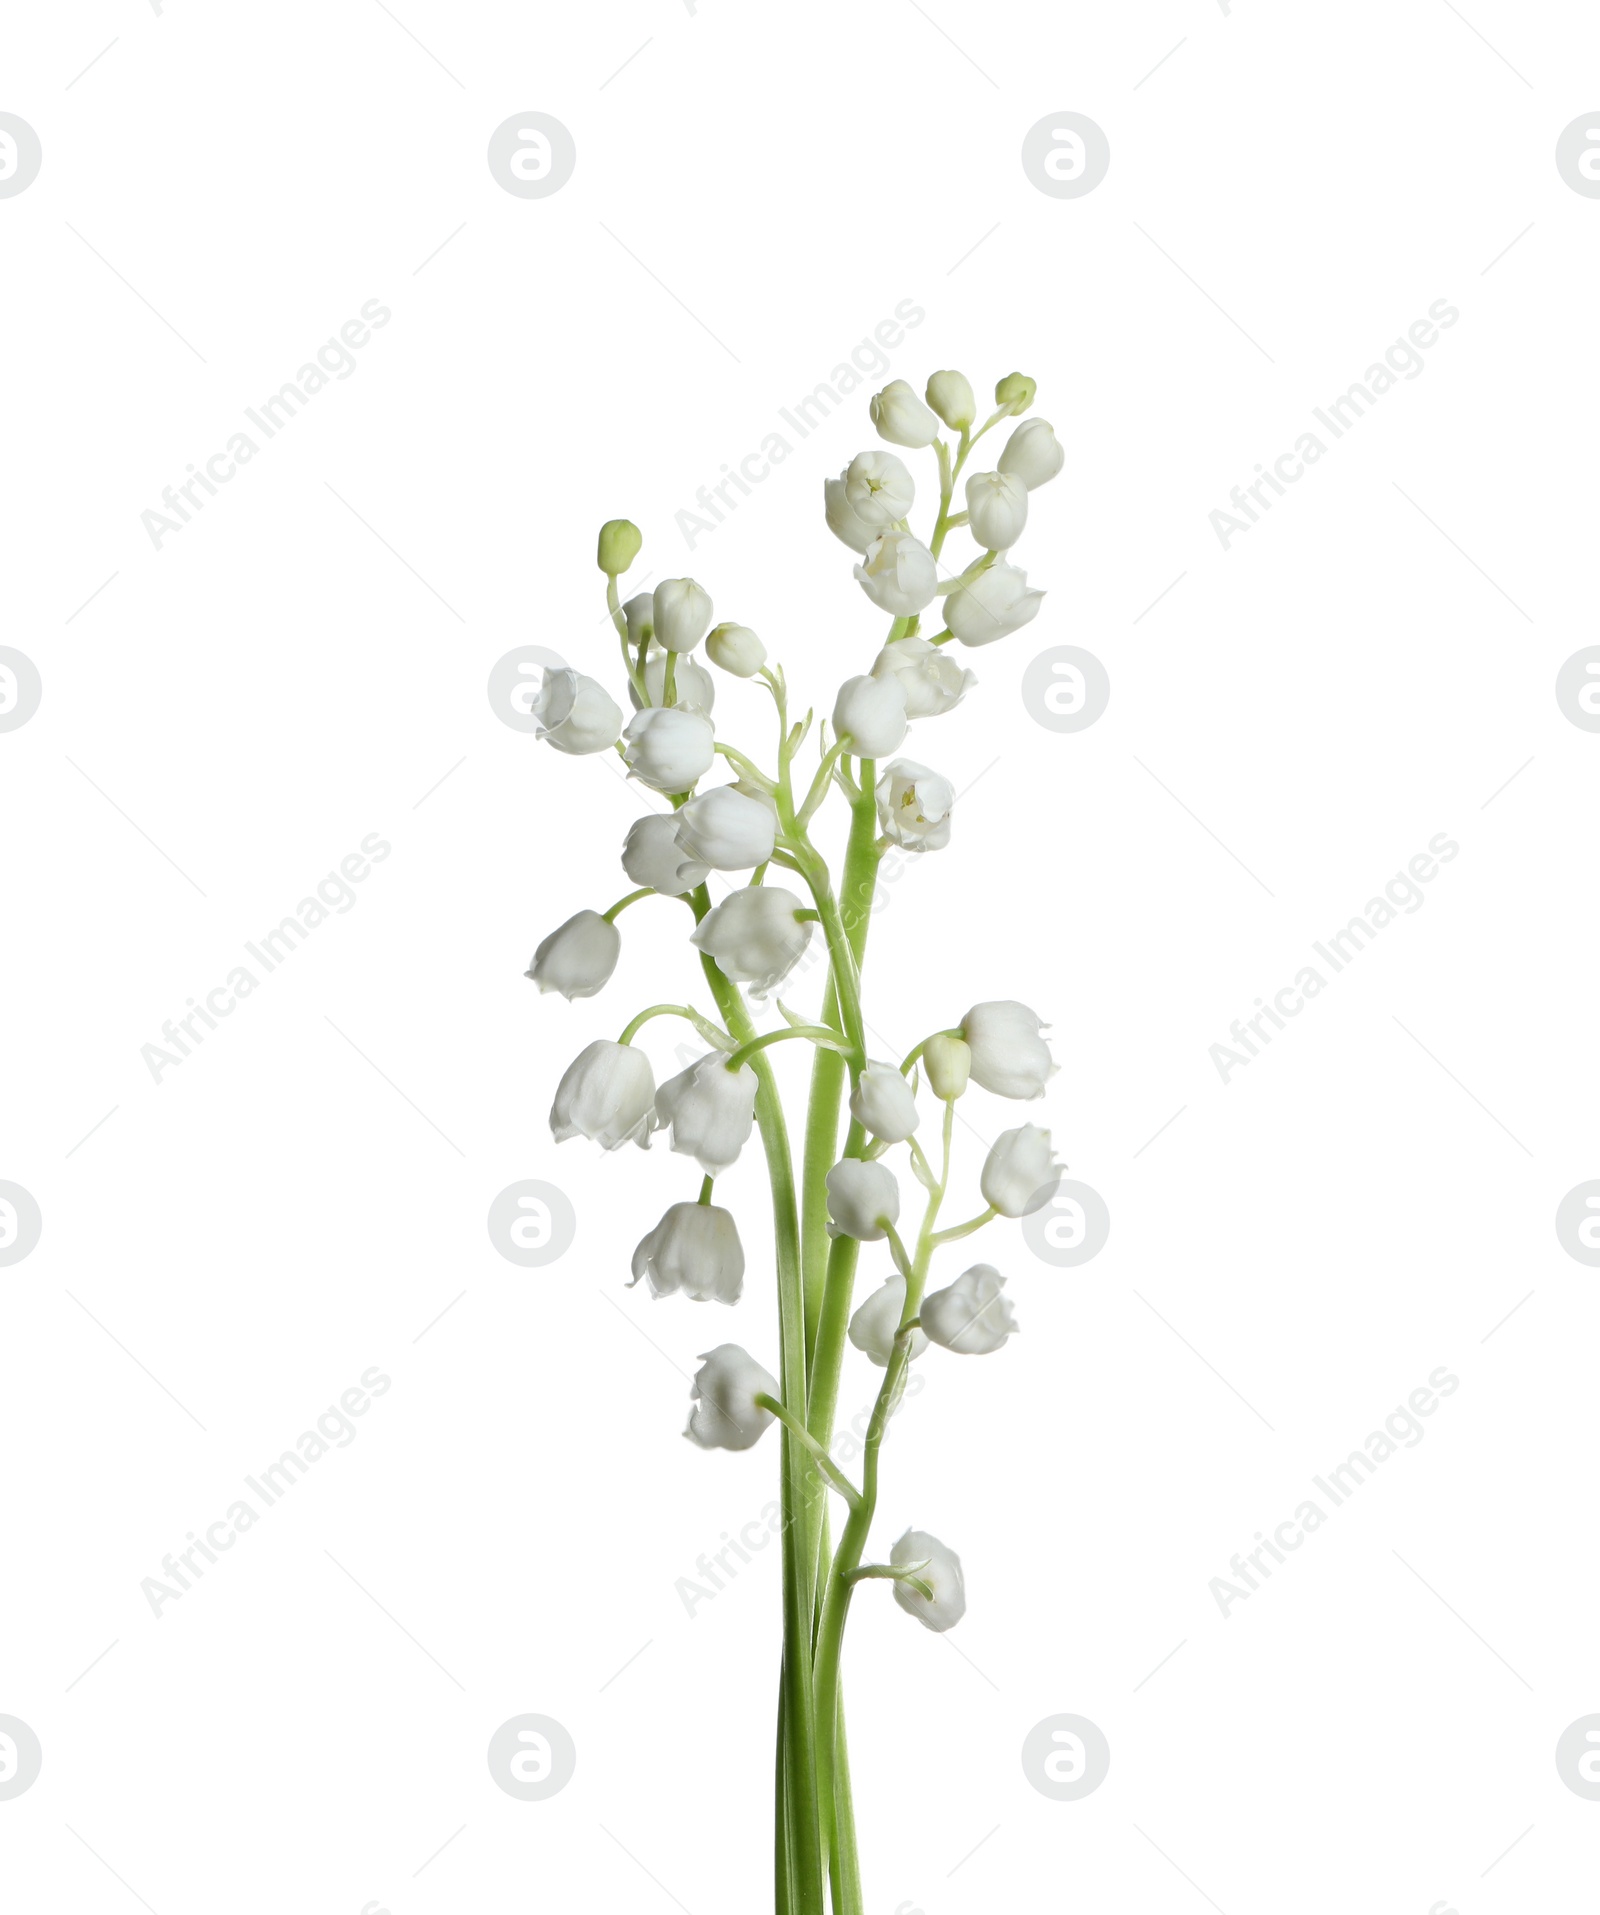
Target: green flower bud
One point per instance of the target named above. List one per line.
(947, 1060)
(1015, 392)
(951, 396)
(620, 540)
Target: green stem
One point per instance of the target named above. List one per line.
(814, 1449)
(621, 905)
(619, 620)
(813, 1033)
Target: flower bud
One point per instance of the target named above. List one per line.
(726, 1415)
(995, 604)
(971, 1316)
(669, 749)
(902, 418)
(884, 1104)
(1015, 392)
(710, 1111)
(869, 715)
(724, 830)
(1033, 453)
(900, 576)
(607, 1093)
(576, 714)
(650, 855)
(876, 1324)
(841, 515)
(578, 958)
(941, 1572)
(947, 1061)
(932, 683)
(997, 509)
(640, 613)
(879, 488)
(682, 612)
(620, 541)
(862, 1198)
(755, 935)
(1009, 1056)
(1020, 1174)
(914, 806)
(951, 396)
(736, 649)
(694, 1251)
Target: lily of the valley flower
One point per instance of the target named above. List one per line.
(951, 396)
(576, 714)
(650, 854)
(996, 603)
(724, 830)
(948, 1063)
(899, 574)
(870, 715)
(578, 957)
(606, 1093)
(997, 509)
(693, 687)
(932, 682)
(879, 488)
(884, 1104)
(941, 1572)
(682, 613)
(1020, 1174)
(971, 1316)
(1015, 392)
(669, 749)
(618, 547)
(1009, 1056)
(735, 649)
(914, 806)
(694, 1252)
(862, 1198)
(876, 1324)
(640, 613)
(726, 1415)
(901, 417)
(1033, 453)
(841, 515)
(710, 1111)
(755, 935)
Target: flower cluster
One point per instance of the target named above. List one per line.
(719, 810)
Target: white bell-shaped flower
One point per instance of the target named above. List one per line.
(1009, 1056)
(995, 604)
(901, 417)
(650, 854)
(694, 1252)
(879, 488)
(876, 1324)
(640, 613)
(997, 509)
(724, 830)
(577, 958)
(870, 715)
(862, 1198)
(576, 713)
(971, 1316)
(709, 1111)
(682, 613)
(1033, 453)
(726, 1415)
(899, 574)
(669, 749)
(841, 516)
(755, 935)
(932, 681)
(951, 396)
(914, 806)
(607, 1093)
(1020, 1174)
(884, 1104)
(942, 1574)
(735, 649)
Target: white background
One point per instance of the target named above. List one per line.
(1290, 1257)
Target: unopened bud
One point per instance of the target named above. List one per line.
(620, 540)
(947, 1061)
(1015, 392)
